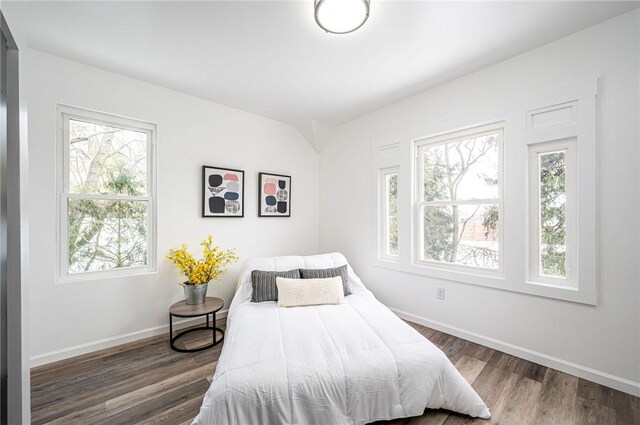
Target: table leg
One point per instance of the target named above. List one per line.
(213, 316)
(171, 331)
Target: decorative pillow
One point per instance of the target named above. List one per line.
(264, 284)
(296, 292)
(341, 271)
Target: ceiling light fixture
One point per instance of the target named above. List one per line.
(341, 16)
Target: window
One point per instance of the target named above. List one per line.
(389, 212)
(459, 194)
(552, 212)
(107, 188)
(509, 205)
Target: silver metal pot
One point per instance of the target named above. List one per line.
(195, 294)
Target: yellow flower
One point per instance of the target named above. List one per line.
(211, 266)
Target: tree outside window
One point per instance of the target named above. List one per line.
(461, 201)
(107, 196)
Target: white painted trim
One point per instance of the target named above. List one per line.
(90, 347)
(599, 377)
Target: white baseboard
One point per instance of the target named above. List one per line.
(54, 356)
(580, 371)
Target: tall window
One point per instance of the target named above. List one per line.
(459, 194)
(107, 188)
(552, 212)
(389, 212)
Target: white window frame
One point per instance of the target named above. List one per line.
(568, 146)
(65, 114)
(557, 113)
(383, 213)
(418, 235)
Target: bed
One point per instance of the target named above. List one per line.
(351, 363)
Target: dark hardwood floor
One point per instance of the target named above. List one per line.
(145, 382)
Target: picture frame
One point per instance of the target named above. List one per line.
(274, 195)
(222, 192)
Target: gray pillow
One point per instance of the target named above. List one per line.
(341, 271)
(264, 284)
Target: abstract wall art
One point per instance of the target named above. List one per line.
(274, 195)
(222, 192)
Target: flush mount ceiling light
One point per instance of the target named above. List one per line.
(341, 16)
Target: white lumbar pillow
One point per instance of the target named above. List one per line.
(301, 292)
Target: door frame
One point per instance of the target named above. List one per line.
(14, 382)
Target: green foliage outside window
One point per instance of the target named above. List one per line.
(104, 233)
(392, 225)
(552, 214)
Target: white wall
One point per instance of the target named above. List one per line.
(72, 317)
(602, 342)
(68, 318)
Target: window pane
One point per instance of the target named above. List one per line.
(466, 169)
(105, 235)
(106, 160)
(461, 234)
(552, 174)
(391, 192)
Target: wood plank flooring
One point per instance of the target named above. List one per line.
(145, 382)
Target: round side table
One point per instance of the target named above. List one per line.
(210, 306)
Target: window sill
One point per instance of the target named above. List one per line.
(495, 280)
(492, 278)
(107, 274)
(565, 293)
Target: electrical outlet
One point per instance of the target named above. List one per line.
(440, 294)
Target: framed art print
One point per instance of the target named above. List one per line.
(274, 195)
(222, 192)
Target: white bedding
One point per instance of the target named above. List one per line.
(351, 363)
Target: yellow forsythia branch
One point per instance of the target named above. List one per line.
(211, 266)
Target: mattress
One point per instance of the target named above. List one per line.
(351, 363)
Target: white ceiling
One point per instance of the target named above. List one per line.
(271, 59)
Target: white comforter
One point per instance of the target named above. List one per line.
(352, 363)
